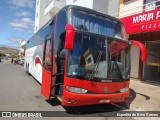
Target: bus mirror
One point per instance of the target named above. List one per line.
(142, 48)
(70, 34)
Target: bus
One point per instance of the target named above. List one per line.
(82, 57)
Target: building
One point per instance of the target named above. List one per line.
(46, 9)
(142, 23)
(22, 48)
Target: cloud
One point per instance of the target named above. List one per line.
(23, 13)
(22, 3)
(19, 29)
(15, 39)
(17, 24)
(23, 24)
(28, 21)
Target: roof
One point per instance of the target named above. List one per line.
(91, 11)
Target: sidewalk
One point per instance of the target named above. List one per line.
(143, 96)
(6, 61)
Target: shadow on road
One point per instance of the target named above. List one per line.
(53, 102)
(131, 98)
(145, 96)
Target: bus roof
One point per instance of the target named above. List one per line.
(90, 11)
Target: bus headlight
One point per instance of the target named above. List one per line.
(75, 89)
(124, 89)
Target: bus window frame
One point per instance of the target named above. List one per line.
(44, 58)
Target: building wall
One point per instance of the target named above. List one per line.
(41, 18)
(130, 7)
(88, 4)
(113, 7)
(37, 11)
(101, 6)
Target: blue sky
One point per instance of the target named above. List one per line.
(16, 21)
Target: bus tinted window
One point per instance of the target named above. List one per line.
(60, 28)
(97, 24)
(39, 37)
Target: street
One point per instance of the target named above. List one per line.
(20, 92)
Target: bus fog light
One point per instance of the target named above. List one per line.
(75, 89)
(124, 89)
(68, 100)
(73, 101)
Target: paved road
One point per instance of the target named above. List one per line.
(20, 92)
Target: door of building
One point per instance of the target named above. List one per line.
(151, 68)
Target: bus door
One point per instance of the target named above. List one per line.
(47, 70)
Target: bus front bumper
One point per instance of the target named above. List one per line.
(75, 99)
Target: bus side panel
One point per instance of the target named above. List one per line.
(33, 60)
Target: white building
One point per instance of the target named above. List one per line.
(22, 47)
(46, 9)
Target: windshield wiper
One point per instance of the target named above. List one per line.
(119, 71)
(96, 65)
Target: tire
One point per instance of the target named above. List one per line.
(27, 71)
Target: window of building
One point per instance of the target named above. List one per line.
(149, 5)
(36, 28)
(158, 4)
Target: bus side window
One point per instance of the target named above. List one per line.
(47, 56)
(60, 28)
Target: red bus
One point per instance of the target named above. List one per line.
(82, 57)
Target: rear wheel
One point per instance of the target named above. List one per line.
(27, 70)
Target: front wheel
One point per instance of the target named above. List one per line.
(124, 104)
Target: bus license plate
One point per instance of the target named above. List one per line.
(104, 101)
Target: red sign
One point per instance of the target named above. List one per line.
(143, 22)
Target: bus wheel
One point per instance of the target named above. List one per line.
(124, 104)
(27, 70)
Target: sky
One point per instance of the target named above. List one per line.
(16, 21)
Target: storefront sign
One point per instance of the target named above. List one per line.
(143, 22)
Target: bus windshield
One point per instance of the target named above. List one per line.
(95, 23)
(96, 57)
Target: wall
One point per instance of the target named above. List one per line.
(113, 7)
(130, 7)
(83, 3)
(101, 6)
(43, 18)
(37, 11)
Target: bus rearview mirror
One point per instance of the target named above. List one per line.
(70, 35)
(142, 49)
